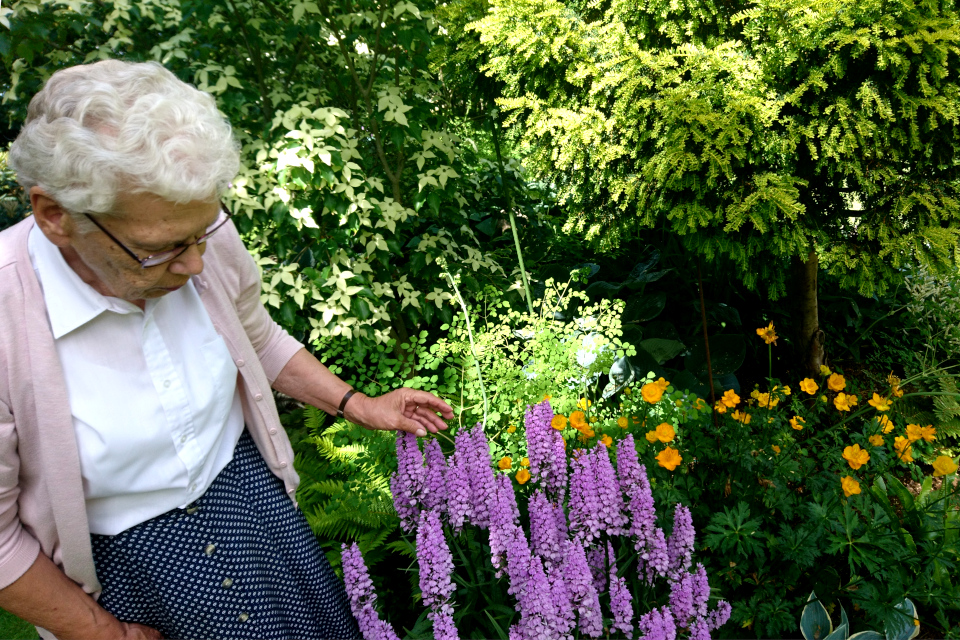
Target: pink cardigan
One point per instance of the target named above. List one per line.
(41, 494)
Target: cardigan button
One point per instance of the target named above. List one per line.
(273, 432)
(258, 397)
(283, 463)
(209, 549)
(226, 584)
(243, 617)
(240, 362)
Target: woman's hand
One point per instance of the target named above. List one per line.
(402, 409)
(133, 631)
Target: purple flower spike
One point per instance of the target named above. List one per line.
(598, 568)
(515, 633)
(680, 544)
(362, 596)
(436, 565)
(655, 556)
(548, 459)
(459, 489)
(681, 600)
(538, 611)
(480, 472)
(701, 591)
(584, 500)
(658, 624)
(718, 618)
(643, 516)
(583, 593)
(435, 488)
(621, 602)
(562, 604)
(545, 536)
(407, 483)
(504, 518)
(612, 518)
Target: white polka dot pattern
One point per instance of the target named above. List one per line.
(241, 562)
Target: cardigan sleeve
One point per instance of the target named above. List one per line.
(274, 346)
(18, 549)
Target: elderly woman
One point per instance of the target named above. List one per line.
(146, 484)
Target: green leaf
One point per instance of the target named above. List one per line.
(602, 289)
(902, 626)
(641, 308)
(727, 353)
(815, 622)
(662, 350)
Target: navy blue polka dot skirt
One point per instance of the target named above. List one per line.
(241, 562)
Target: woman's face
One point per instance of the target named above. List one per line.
(149, 225)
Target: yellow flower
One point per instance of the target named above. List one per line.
(766, 401)
(855, 456)
(885, 423)
(797, 423)
(776, 449)
(823, 399)
(651, 436)
(588, 432)
(559, 422)
(894, 383)
(914, 432)
(699, 405)
(876, 440)
(583, 403)
(836, 382)
(786, 391)
(505, 463)
(578, 420)
(663, 384)
(808, 385)
(944, 466)
(669, 458)
(593, 419)
(512, 428)
(741, 417)
(768, 334)
(651, 392)
(824, 370)
(522, 476)
(843, 402)
(665, 432)
(622, 422)
(904, 450)
(730, 398)
(720, 407)
(928, 433)
(879, 403)
(524, 462)
(850, 486)
(606, 440)
(628, 391)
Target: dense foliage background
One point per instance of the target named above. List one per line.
(673, 175)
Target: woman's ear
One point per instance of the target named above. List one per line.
(55, 223)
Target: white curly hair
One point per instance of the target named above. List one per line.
(96, 130)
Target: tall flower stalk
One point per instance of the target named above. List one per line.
(560, 573)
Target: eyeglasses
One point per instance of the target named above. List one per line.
(166, 256)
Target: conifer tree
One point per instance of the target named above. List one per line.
(822, 133)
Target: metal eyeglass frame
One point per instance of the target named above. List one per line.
(164, 257)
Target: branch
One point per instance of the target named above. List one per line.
(255, 57)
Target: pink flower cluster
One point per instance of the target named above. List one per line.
(557, 575)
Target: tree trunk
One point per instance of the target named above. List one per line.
(811, 352)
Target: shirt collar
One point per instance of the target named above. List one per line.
(71, 302)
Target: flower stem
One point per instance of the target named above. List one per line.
(473, 348)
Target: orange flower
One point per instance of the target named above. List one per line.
(665, 432)
(578, 420)
(669, 458)
(606, 440)
(699, 405)
(524, 462)
(879, 403)
(850, 486)
(522, 476)
(844, 402)
(766, 401)
(512, 428)
(808, 385)
(894, 383)
(797, 423)
(876, 440)
(651, 436)
(928, 433)
(720, 407)
(855, 456)
(776, 449)
(836, 382)
(622, 422)
(663, 384)
(652, 392)
(730, 398)
(885, 423)
(505, 463)
(768, 334)
(741, 417)
(559, 422)
(904, 450)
